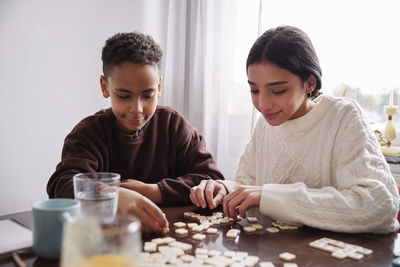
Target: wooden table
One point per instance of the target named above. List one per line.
(266, 246)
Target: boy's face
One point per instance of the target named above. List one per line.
(134, 90)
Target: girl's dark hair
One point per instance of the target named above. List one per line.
(130, 46)
(289, 48)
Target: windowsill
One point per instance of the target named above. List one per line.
(394, 164)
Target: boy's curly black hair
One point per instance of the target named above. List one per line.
(130, 46)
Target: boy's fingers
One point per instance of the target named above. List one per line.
(209, 193)
(156, 215)
(218, 198)
(193, 196)
(200, 195)
(149, 223)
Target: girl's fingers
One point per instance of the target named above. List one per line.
(226, 201)
(236, 201)
(242, 208)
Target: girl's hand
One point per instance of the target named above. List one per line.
(208, 192)
(241, 200)
(150, 215)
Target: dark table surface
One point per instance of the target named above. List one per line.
(265, 245)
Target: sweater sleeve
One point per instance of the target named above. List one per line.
(246, 172)
(193, 164)
(81, 153)
(363, 196)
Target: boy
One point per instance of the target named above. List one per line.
(158, 154)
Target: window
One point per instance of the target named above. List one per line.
(358, 45)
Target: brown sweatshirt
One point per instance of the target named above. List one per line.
(167, 151)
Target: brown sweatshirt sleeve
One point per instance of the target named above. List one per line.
(193, 164)
(83, 151)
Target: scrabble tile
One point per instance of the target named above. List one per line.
(212, 230)
(213, 253)
(165, 250)
(201, 251)
(188, 214)
(355, 256)
(186, 258)
(182, 245)
(339, 254)
(231, 235)
(290, 264)
(177, 251)
(286, 256)
(202, 256)
(179, 224)
(249, 229)
(199, 237)
(252, 219)
(150, 247)
(235, 230)
(266, 264)
(272, 230)
(229, 253)
(288, 227)
(181, 232)
(242, 254)
(257, 226)
(191, 225)
(216, 222)
(168, 240)
(364, 251)
(197, 229)
(224, 220)
(254, 259)
(218, 214)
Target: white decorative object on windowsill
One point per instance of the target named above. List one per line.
(389, 133)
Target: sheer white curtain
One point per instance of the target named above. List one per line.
(205, 78)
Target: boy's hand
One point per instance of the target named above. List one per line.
(150, 215)
(241, 200)
(208, 192)
(151, 191)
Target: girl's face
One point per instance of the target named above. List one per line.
(134, 90)
(279, 94)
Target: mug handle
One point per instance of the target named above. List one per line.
(65, 217)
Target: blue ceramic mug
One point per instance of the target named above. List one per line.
(48, 220)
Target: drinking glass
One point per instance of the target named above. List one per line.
(93, 243)
(98, 194)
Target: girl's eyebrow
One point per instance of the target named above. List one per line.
(122, 90)
(275, 83)
(269, 84)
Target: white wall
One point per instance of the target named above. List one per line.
(50, 62)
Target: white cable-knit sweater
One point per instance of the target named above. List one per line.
(324, 169)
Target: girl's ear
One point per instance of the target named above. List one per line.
(159, 88)
(310, 84)
(104, 86)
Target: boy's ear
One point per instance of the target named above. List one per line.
(159, 88)
(104, 86)
(310, 84)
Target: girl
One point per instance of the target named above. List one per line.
(313, 163)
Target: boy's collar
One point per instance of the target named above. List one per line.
(137, 132)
